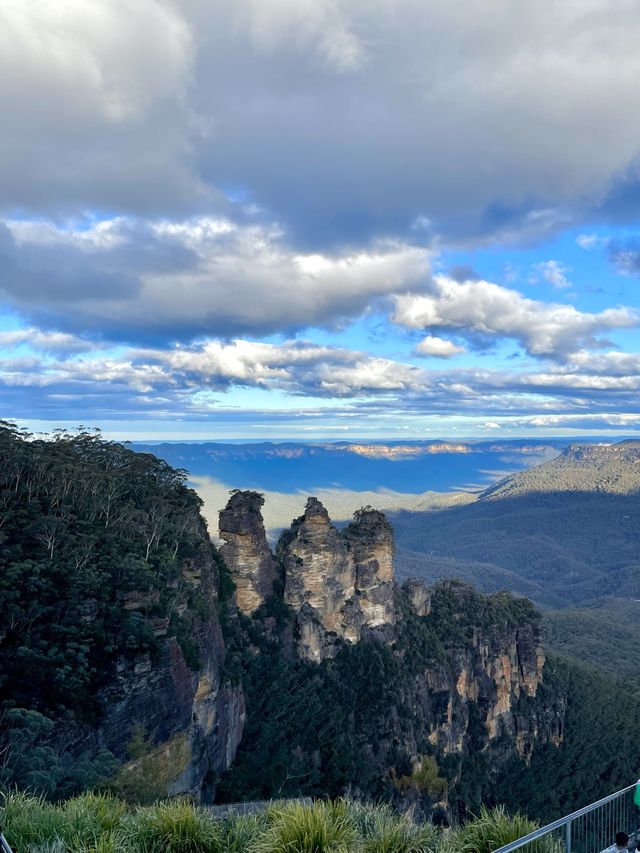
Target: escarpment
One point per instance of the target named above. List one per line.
(176, 696)
(399, 676)
(112, 655)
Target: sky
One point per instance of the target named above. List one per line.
(320, 218)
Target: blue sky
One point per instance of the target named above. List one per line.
(320, 218)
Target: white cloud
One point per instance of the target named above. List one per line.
(177, 377)
(588, 241)
(494, 312)
(620, 420)
(45, 341)
(555, 273)
(297, 367)
(203, 276)
(438, 347)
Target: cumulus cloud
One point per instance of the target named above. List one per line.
(492, 312)
(438, 347)
(554, 273)
(297, 367)
(96, 121)
(297, 103)
(179, 279)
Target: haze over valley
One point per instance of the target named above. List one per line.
(415, 475)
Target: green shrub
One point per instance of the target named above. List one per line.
(424, 778)
(239, 833)
(176, 826)
(493, 829)
(381, 830)
(99, 823)
(323, 827)
(30, 822)
(83, 825)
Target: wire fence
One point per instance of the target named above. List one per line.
(588, 830)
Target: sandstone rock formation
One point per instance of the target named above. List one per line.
(370, 541)
(246, 551)
(337, 583)
(500, 663)
(418, 595)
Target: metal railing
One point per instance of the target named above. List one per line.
(588, 830)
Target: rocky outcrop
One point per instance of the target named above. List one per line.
(246, 551)
(319, 583)
(501, 662)
(337, 583)
(370, 541)
(419, 596)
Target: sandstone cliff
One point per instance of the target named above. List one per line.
(190, 718)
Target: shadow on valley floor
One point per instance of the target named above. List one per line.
(408, 468)
(559, 549)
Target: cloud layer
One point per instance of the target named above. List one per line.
(486, 311)
(343, 119)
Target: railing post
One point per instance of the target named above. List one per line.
(567, 837)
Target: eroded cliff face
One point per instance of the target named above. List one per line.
(190, 719)
(498, 663)
(466, 668)
(246, 551)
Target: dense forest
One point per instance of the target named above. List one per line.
(599, 753)
(602, 633)
(85, 525)
(559, 548)
(344, 719)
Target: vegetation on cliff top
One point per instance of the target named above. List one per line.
(92, 540)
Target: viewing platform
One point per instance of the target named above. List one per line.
(590, 829)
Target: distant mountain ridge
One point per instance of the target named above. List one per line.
(611, 468)
(410, 467)
(563, 533)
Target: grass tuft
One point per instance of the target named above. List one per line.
(322, 827)
(99, 823)
(494, 828)
(176, 826)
